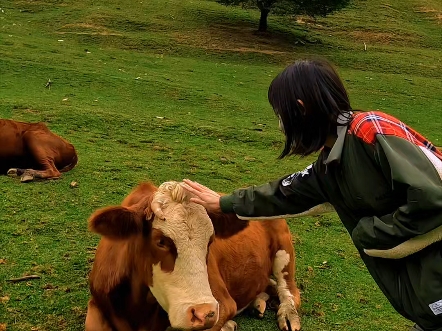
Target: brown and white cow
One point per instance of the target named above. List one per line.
(201, 269)
(31, 150)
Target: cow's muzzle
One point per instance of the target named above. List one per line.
(202, 316)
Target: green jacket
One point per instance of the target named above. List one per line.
(384, 188)
(383, 179)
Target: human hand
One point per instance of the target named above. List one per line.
(204, 196)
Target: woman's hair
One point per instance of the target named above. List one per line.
(306, 125)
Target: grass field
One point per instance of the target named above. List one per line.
(165, 90)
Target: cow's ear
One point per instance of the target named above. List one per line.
(116, 222)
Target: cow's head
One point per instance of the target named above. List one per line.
(170, 254)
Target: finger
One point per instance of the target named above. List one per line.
(190, 189)
(195, 185)
(199, 187)
(209, 206)
(198, 201)
(204, 189)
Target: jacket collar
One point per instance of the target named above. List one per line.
(336, 151)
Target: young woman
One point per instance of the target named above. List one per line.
(383, 178)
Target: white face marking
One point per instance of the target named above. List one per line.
(190, 228)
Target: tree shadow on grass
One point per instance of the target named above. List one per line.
(238, 31)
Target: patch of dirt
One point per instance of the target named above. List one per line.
(31, 111)
(426, 10)
(40, 2)
(88, 29)
(306, 20)
(242, 39)
(431, 13)
(84, 25)
(384, 38)
(246, 50)
(37, 6)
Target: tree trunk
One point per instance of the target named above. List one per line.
(263, 19)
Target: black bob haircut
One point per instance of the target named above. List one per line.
(306, 126)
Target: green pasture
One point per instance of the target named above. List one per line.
(166, 90)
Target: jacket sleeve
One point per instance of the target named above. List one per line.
(286, 196)
(414, 172)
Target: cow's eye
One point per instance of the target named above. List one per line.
(161, 243)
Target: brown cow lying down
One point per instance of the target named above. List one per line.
(31, 151)
(201, 269)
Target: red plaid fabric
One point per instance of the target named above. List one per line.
(367, 125)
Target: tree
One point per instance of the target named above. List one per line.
(289, 7)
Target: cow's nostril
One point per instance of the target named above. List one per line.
(194, 317)
(202, 316)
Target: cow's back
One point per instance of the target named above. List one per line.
(29, 145)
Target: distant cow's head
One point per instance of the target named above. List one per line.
(170, 254)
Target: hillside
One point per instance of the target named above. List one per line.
(160, 90)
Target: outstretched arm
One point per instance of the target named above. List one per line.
(289, 195)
